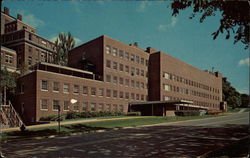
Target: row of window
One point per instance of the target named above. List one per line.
(173, 77)
(93, 91)
(8, 58)
(126, 55)
(126, 82)
(125, 68)
(199, 103)
(83, 106)
(186, 91)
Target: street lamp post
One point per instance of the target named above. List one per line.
(59, 117)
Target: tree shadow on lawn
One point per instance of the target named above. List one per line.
(84, 128)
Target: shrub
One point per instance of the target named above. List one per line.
(47, 118)
(134, 113)
(72, 115)
(187, 113)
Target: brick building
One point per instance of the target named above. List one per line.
(103, 75)
(29, 46)
(8, 59)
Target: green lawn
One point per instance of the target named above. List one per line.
(95, 126)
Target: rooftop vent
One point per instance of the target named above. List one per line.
(6, 10)
(19, 17)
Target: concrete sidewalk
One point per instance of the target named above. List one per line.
(71, 122)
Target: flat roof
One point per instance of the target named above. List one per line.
(5, 48)
(163, 102)
(65, 67)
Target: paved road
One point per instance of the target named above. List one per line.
(182, 139)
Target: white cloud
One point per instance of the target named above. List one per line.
(77, 40)
(31, 19)
(164, 27)
(243, 62)
(142, 6)
(76, 4)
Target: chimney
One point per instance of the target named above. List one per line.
(19, 17)
(151, 50)
(6, 10)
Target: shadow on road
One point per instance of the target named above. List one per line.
(153, 141)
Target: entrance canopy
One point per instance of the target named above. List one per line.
(159, 108)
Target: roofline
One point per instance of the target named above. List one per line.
(65, 67)
(5, 48)
(161, 102)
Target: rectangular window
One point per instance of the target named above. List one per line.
(137, 84)
(142, 85)
(44, 104)
(100, 92)
(132, 96)
(108, 63)
(55, 105)
(114, 51)
(166, 75)
(127, 68)
(84, 106)
(138, 59)
(115, 65)
(93, 91)
(115, 80)
(108, 93)
(132, 57)
(142, 73)
(132, 83)
(56, 86)
(127, 95)
(44, 85)
(85, 90)
(137, 97)
(30, 60)
(121, 95)
(108, 106)
(115, 107)
(115, 93)
(100, 107)
(146, 62)
(121, 53)
(142, 61)
(76, 106)
(30, 49)
(108, 51)
(108, 78)
(132, 71)
(121, 108)
(126, 82)
(127, 55)
(66, 105)
(121, 81)
(65, 88)
(137, 72)
(92, 106)
(142, 97)
(121, 67)
(166, 87)
(76, 89)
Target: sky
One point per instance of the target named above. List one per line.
(149, 23)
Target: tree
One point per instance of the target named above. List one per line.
(235, 16)
(64, 43)
(245, 100)
(230, 94)
(7, 84)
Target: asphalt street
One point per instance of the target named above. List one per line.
(180, 139)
